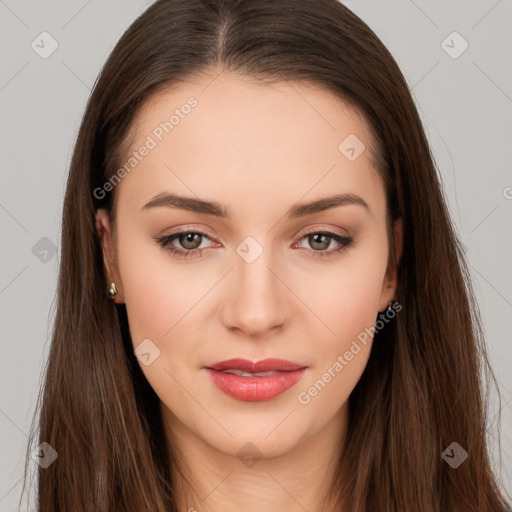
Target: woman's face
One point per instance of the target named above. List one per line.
(260, 281)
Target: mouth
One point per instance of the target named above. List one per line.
(255, 381)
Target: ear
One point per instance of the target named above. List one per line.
(104, 231)
(390, 282)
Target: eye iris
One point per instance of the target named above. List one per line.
(313, 241)
(188, 237)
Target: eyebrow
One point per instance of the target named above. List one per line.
(218, 210)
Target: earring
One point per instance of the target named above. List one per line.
(112, 292)
(390, 305)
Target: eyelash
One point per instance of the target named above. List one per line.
(165, 242)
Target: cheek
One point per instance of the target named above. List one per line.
(156, 293)
(344, 352)
(346, 296)
(159, 301)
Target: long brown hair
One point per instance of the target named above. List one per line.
(423, 387)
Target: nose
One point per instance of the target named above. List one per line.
(256, 299)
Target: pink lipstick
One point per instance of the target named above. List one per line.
(255, 381)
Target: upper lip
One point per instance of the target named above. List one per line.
(265, 365)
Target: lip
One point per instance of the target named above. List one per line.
(265, 365)
(255, 389)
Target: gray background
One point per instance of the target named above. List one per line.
(465, 103)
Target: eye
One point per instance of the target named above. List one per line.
(190, 242)
(321, 240)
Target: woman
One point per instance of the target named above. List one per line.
(292, 322)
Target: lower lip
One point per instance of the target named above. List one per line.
(255, 389)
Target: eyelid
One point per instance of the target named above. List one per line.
(343, 240)
(165, 241)
(323, 228)
(190, 229)
(210, 236)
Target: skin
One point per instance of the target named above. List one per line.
(258, 149)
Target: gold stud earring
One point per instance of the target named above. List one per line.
(113, 291)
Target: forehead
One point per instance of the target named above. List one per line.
(227, 133)
(251, 107)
